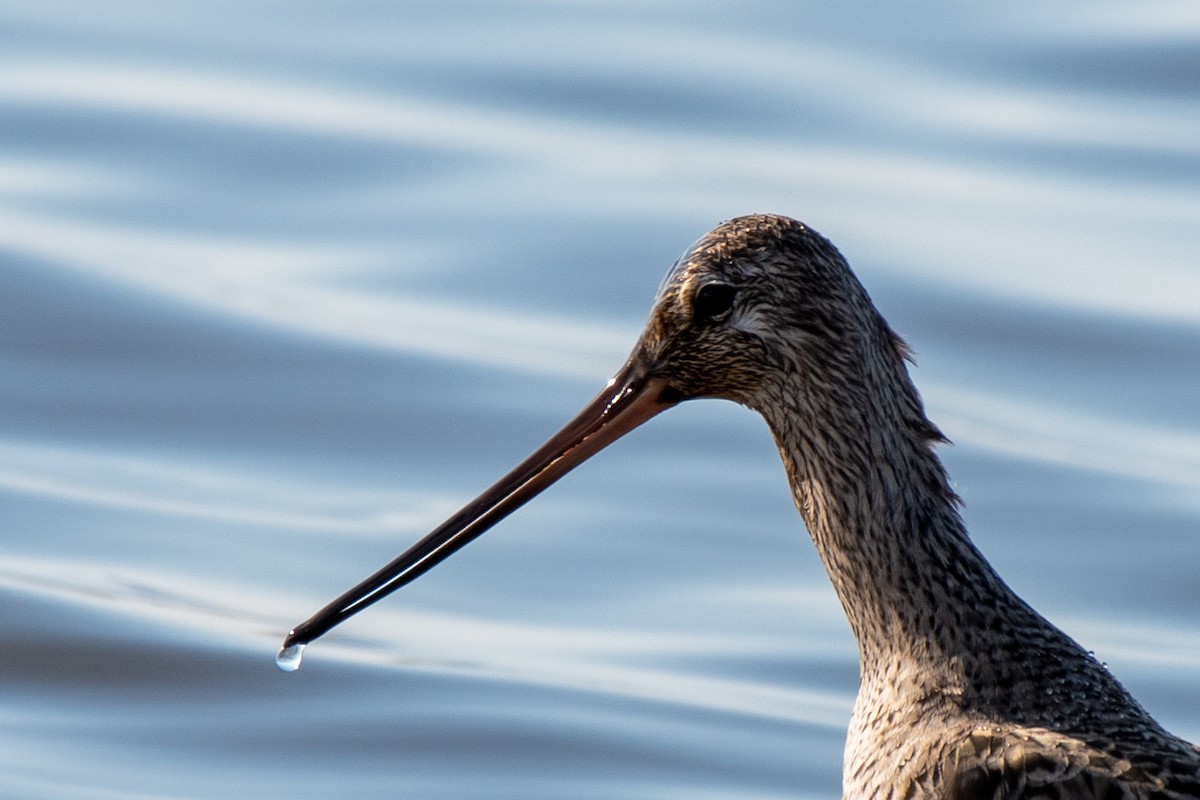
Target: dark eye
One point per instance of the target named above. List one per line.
(712, 301)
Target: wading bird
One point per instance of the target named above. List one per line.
(966, 692)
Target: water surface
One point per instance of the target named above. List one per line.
(281, 287)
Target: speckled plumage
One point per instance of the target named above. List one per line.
(966, 692)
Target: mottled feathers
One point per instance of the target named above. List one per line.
(966, 692)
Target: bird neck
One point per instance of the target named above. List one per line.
(876, 501)
(937, 629)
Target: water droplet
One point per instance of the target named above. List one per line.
(289, 658)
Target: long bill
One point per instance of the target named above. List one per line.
(629, 399)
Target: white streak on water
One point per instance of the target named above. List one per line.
(1162, 644)
(1147, 23)
(930, 101)
(31, 178)
(224, 495)
(1082, 441)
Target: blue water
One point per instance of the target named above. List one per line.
(281, 285)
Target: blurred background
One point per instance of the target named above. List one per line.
(281, 285)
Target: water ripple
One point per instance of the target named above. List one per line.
(224, 495)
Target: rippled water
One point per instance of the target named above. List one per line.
(281, 285)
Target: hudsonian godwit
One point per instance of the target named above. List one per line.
(966, 692)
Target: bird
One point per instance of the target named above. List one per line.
(965, 691)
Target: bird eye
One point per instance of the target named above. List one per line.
(712, 301)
